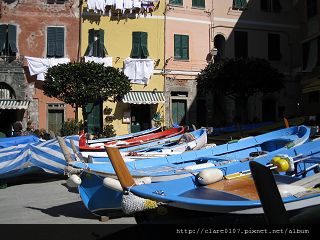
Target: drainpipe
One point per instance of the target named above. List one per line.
(79, 47)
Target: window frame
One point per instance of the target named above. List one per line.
(239, 49)
(176, 2)
(180, 47)
(196, 4)
(274, 39)
(56, 42)
(139, 49)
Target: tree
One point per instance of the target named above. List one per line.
(239, 79)
(81, 83)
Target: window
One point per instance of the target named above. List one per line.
(239, 4)
(8, 36)
(6, 92)
(181, 47)
(274, 47)
(96, 46)
(198, 3)
(310, 54)
(176, 2)
(240, 44)
(139, 45)
(55, 117)
(270, 5)
(94, 117)
(55, 42)
(311, 8)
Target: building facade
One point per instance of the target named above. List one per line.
(130, 38)
(40, 29)
(309, 19)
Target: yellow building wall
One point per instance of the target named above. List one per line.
(118, 43)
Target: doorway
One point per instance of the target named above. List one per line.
(179, 109)
(140, 117)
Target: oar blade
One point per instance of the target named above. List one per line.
(269, 195)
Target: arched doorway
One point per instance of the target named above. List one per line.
(219, 44)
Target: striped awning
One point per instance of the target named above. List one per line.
(13, 104)
(143, 97)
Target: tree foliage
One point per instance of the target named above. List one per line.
(81, 83)
(240, 78)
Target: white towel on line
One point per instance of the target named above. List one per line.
(138, 71)
(39, 66)
(107, 61)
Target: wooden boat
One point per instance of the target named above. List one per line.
(224, 199)
(23, 159)
(125, 136)
(194, 140)
(98, 147)
(94, 193)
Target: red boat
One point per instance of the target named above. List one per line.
(132, 141)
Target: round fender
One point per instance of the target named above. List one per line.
(74, 181)
(112, 183)
(209, 176)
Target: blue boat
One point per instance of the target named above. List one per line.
(44, 156)
(229, 200)
(14, 141)
(98, 196)
(194, 140)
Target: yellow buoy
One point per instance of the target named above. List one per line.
(282, 165)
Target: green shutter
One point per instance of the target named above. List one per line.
(144, 45)
(198, 3)
(177, 46)
(136, 50)
(239, 4)
(3, 35)
(101, 48)
(94, 117)
(89, 51)
(12, 38)
(51, 42)
(176, 2)
(59, 42)
(185, 47)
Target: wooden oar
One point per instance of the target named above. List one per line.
(286, 123)
(273, 207)
(120, 168)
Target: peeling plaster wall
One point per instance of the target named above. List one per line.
(32, 17)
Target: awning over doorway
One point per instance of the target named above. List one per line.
(13, 104)
(143, 97)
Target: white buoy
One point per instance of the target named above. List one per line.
(74, 181)
(209, 176)
(143, 180)
(112, 183)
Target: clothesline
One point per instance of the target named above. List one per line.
(101, 5)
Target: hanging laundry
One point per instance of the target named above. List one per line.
(101, 5)
(119, 4)
(39, 66)
(110, 2)
(136, 4)
(138, 71)
(107, 61)
(127, 4)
